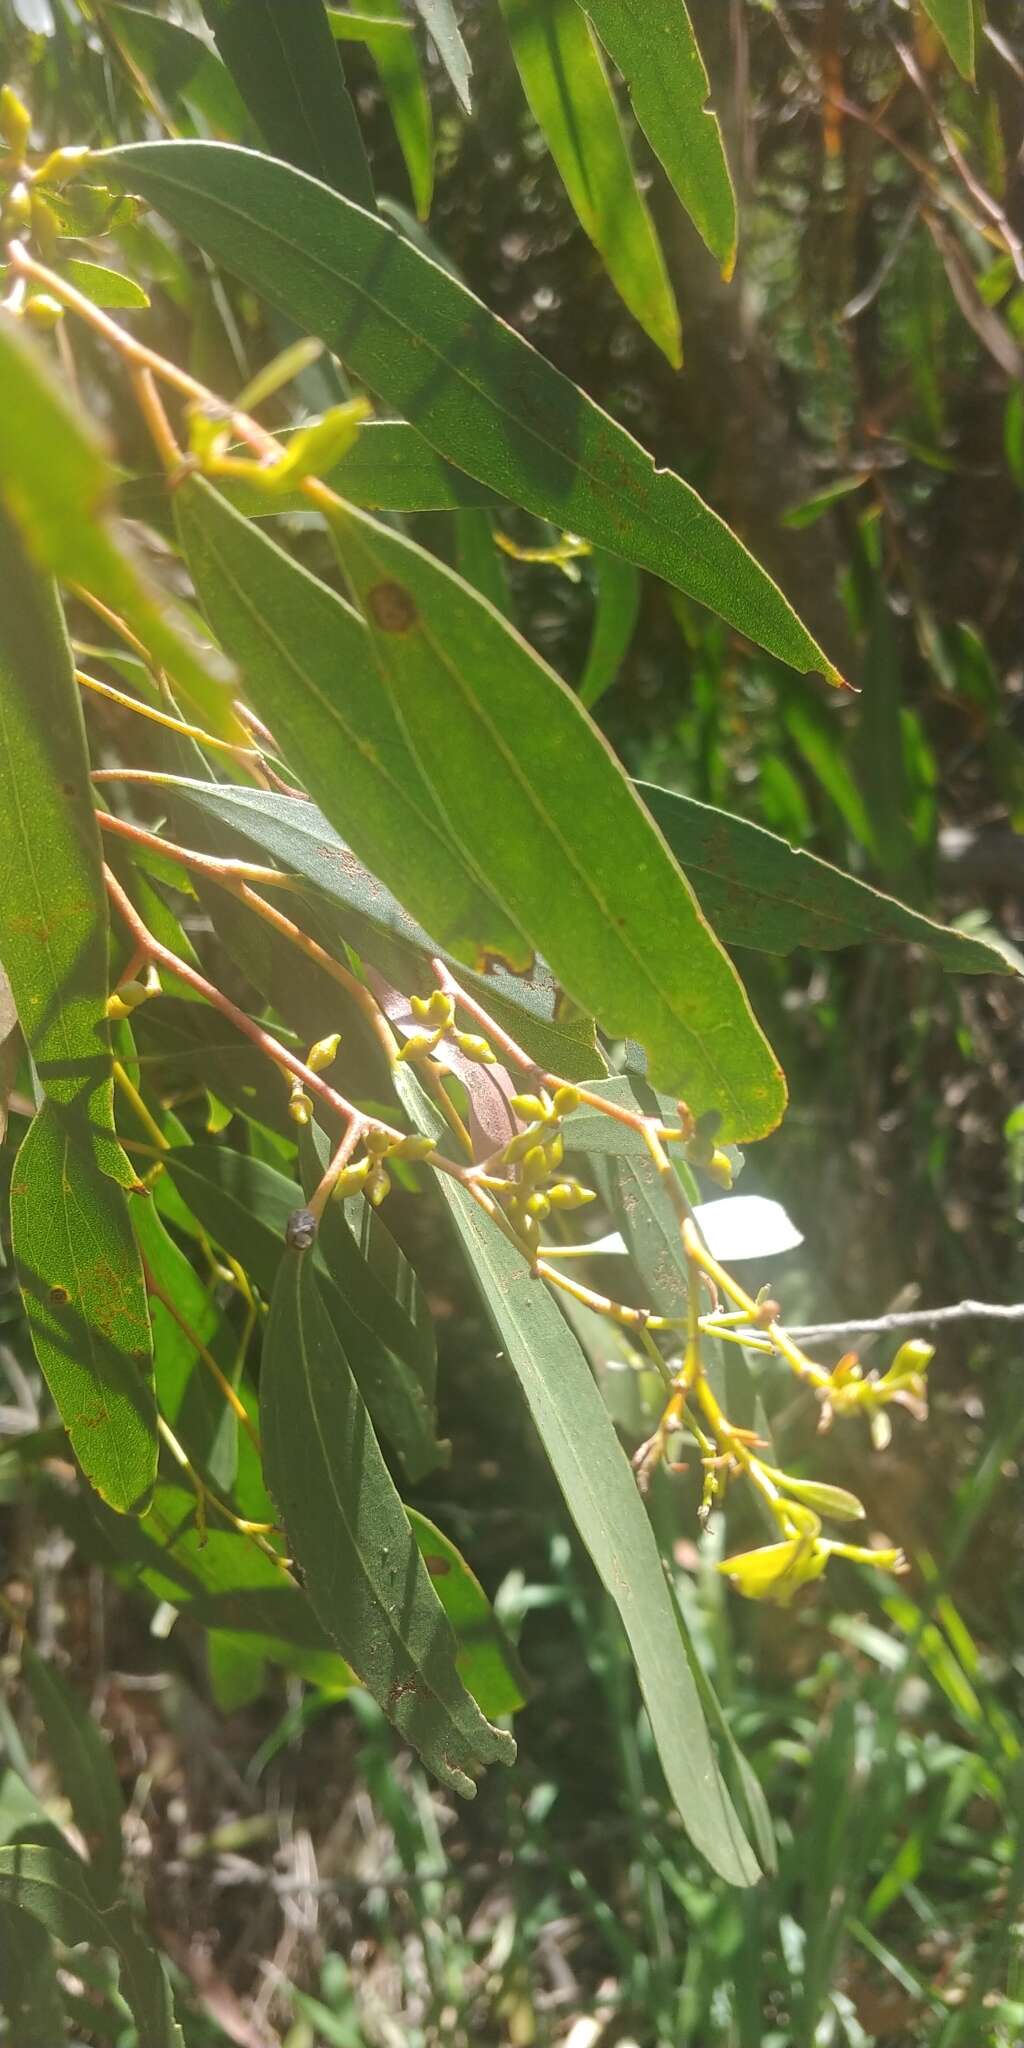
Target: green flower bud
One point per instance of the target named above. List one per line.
(300, 1108)
(351, 1179)
(414, 1147)
(825, 1500)
(568, 1194)
(379, 1143)
(475, 1048)
(521, 1144)
(378, 1186)
(126, 999)
(554, 1152)
(45, 227)
(17, 209)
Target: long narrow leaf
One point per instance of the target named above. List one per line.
(347, 1527)
(475, 389)
(84, 1766)
(282, 57)
(52, 1885)
(397, 61)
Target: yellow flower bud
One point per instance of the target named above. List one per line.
(417, 1045)
(530, 1108)
(351, 1179)
(378, 1186)
(378, 1143)
(414, 1146)
(63, 164)
(43, 310)
(15, 122)
(475, 1048)
(566, 1100)
(300, 1108)
(323, 1052)
(719, 1167)
(535, 1165)
(126, 999)
(568, 1194)
(538, 1205)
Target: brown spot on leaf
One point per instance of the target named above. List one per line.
(392, 607)
(438, 1567)
(398, 1692)
(59, 1294)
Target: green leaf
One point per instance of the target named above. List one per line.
(85, 1299)
(31, 2000)
(245, 1205)
(298, 837)
(347, 1528)
(954, 20)
(759, 891)
(477, 391)
(294, 638)
(487, 1663)
(601, 1495)
(395, 55)
(237, 1669)
(188, 1396)
(877, 749)
(53, 1886)
(543, 811)
(57, 485)
(85, 1768)
(439, 18)
(618, 608)
(655, 49)
(103, 286)
(389, 467)
(283, 59)
(564, 79)
(184, 69)
(53, 906)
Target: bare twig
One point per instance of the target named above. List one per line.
(915, 1319)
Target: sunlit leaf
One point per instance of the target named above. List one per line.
(283, 60)
(475, 389)
(440, 18)
(954, 20)
(655, 49)
(183, 67)
(103, 286)
(394, 52)
(348, 1529)
(564, 79)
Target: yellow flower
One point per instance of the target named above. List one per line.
(778, 1570)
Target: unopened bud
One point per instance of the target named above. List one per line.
(719, 1166)
(126, 999)
(554, 1152)
(568, 1194)
(351, 1179)
(535, 1165)
(45, 227)
(416, 1045)
(43, 311)
(17, 209)
(523, 1142)
(63, 164)
(437, 1008)
(566, 1100)
(538, 1205)
(15, 122)
(378, 1143)
(378, 1186)
(300, 1108)
(531, 1108)
(475, 1048)
(414, 1146)
(323, 1052)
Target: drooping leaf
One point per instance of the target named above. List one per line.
(487, 1663)
(367, 1264)
(296, 639)
(564, 79)
(543, 811)
(245, 1205)
(440, 19)
(760, 892)
(57, 486)
(85, 1300)
(283, 59)
(478, 392)
(30, 1999)
(85, 1769)
(393, 49)
(615, 617)
(601, 1495)
(53, 906)
(183, 67)
(346, 1525)
(299, 839)
(954, 20)
(53, 1886)
(655, 49)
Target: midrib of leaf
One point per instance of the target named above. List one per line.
(453, 369)
(336, 716)
(623, 939)
(67, 1198)
(343, 1515)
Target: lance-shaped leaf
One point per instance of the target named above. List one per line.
(542, 809)
(601, 1495)
(389, 467)
(440, 18)
(386, 32)
(183, 67)
(954, 20)
(615, 617)
(53, 906)
(475, 389)
(759, 891)
(31, 1993)
(300, 840)
(282, 57)
(57, 485)
(84, 1766)
(245, 1205)
(53, 1886)
(565, 82)
(85, 1299)
(346, 1526)
(487, 1663)
(655, 49)
(104, 287)
(311, 676)
(188, 1395)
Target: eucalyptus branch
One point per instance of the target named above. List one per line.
(913, 1319)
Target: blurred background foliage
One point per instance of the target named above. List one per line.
(852, 403)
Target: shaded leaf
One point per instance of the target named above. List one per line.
(237, 1669)
(564, 78)
(381, 25)
(53, 1886)
(758, 891)
(487, 1663)
(656, 51)
(440, 18)
(188, 1396)
(954, 20)
(295, 639)
(388, 467)
(245, 1205)
(542, 809)
(478, 392)
(601, 1495)
(183, 67)
(348, 1529)
(31, 2000)
(84, 1766)
(283, 59)
(85, 1300)
(615, 617)
(57, 484)
(299, 839)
